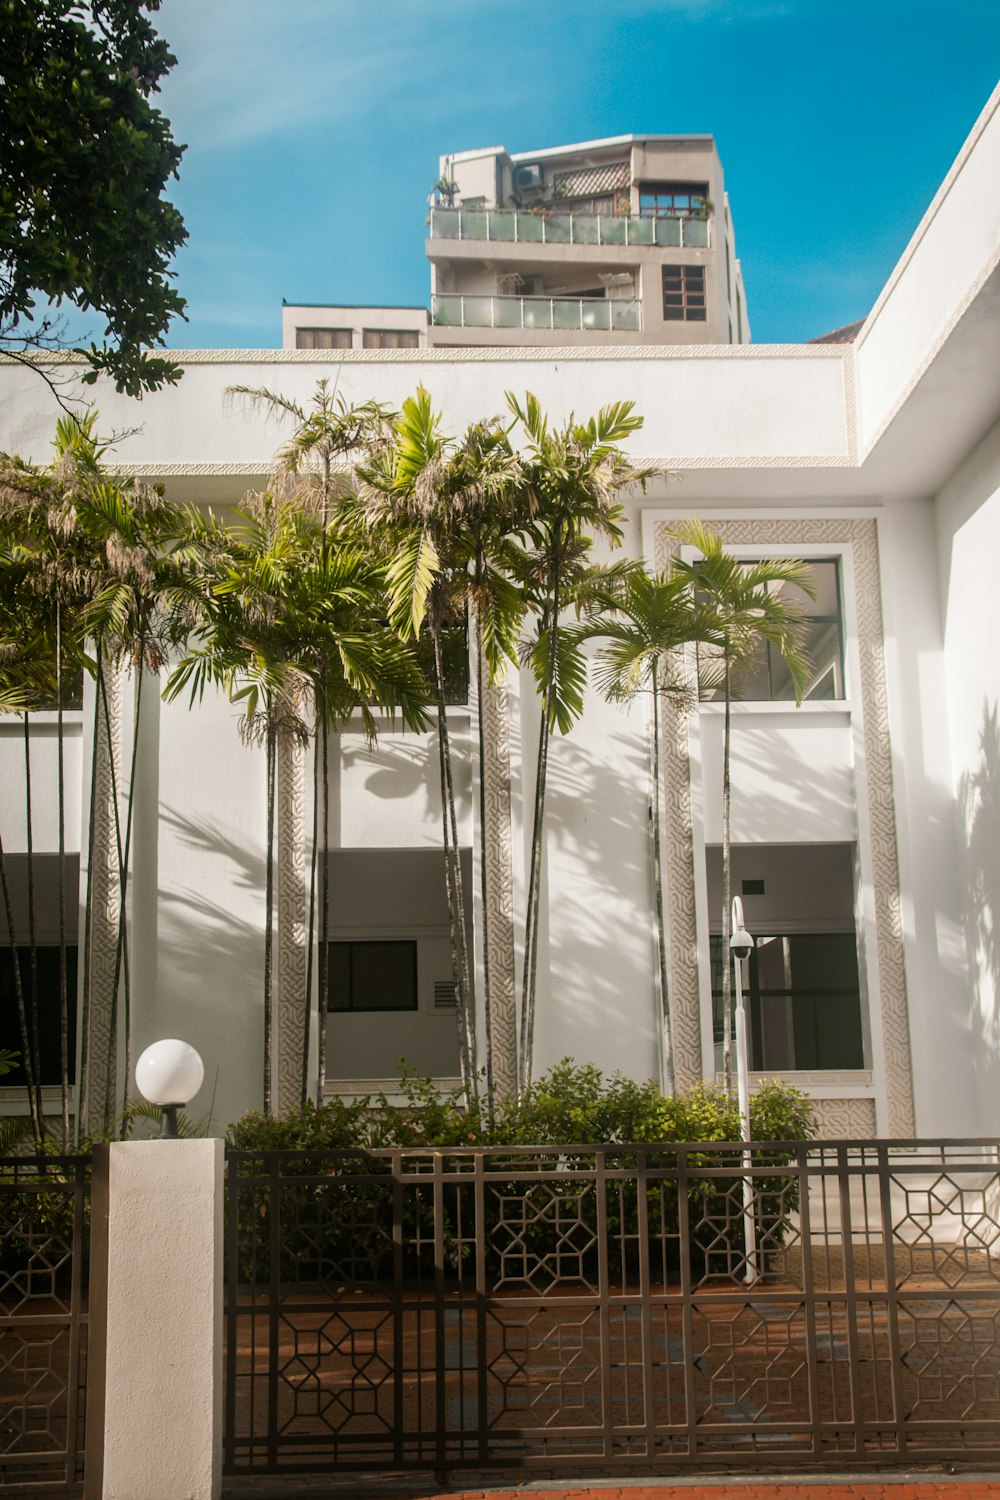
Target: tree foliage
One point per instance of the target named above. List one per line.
(84, 161)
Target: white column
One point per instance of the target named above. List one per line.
(154, 1420)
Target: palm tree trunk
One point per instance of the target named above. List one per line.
(269, 919)
(483, 892)
(63, 979)
(666, 1029)
(323, 972)
(122, 963)
(528, 987)
(112, 1055)
(83, 1107)
(727, 989)
(307, 998)
(36, 1036)
(456, 913)
(22, 1014)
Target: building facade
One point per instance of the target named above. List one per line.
(622, 241)
(865, 822)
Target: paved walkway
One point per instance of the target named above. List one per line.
(884, 1486)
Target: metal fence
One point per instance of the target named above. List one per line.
(44, 1211)
(621, 1309)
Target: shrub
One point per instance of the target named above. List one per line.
(337, 1224)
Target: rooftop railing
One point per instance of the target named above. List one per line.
(508, 226)
(582, 314)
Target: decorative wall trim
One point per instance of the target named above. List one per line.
(293, 915)
(862, 536)
(497, 842)
(478, 354)
(841, 1119)
(196, 469)
(102, 1071)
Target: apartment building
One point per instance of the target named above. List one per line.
(627, 240)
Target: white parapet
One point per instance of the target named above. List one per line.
(154, 1425)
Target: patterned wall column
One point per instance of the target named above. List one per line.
(862, 536)
(99, 1081)
(497, 844)
(293, 915)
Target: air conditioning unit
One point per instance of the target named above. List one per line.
(526, 177)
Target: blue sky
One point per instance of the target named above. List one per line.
(314, 129)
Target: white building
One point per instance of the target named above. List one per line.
(866, 821)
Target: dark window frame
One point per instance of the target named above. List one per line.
(351, 1008)
(685, 293)
(47, 954)
(754, 995)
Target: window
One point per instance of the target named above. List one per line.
(50, 1049)
(454, 662)
(765, 679)
(803, 1002)
(372, 976)
(673, 200)
(323, 338)
(684, 294)
(604, 203)
(390, 338)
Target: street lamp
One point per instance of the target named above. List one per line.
(741, 947)
(169, 1074)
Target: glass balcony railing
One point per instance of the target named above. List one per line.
(582, 314)
(508, 226)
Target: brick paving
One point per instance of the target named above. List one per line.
(884, 1486)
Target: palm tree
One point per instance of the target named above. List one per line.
(443, 509)
(313, 465)
(136, 615)
(573, 478)
(280, 612)
(49, 567)
(646, 618)
(749, 612)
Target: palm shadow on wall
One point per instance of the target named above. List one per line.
(979, 812)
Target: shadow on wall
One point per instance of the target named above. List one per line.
(211, 956)
(979, 810)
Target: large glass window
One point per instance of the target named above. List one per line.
(765, 677)
(803, 1002)
(673, 200)
(372, 976)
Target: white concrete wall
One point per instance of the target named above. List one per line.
(745, 406)
(967, 519)
(953, 249)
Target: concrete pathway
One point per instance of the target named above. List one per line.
(883, 1486)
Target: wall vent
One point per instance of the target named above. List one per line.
(444, 994)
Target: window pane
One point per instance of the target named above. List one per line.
(803, 1001)
(373, 976)
(50, 1047)
(383, 976)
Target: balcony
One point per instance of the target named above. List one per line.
(508, 226)
(578, 314)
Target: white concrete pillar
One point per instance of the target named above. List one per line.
(154, 1404)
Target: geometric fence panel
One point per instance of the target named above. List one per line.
(44, 1212)
(620, 1309)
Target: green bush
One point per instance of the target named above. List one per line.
(336, 1224)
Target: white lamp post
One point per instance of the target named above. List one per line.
(741, 947)
(169, 1074)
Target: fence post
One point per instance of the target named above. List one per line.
(155, 1379)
